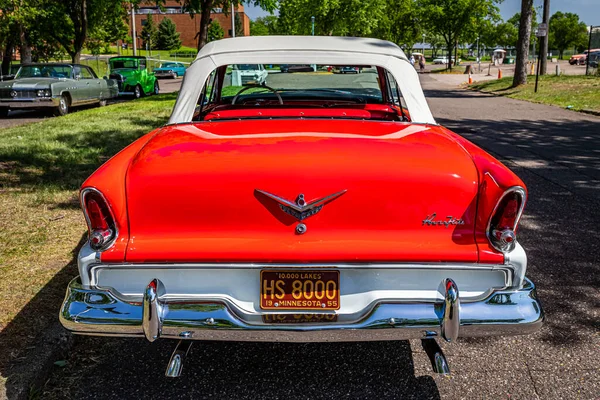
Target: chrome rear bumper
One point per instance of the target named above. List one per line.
(102, 312)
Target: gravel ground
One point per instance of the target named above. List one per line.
(557, 153)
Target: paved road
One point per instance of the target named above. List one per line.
(20, 117)
(557, 153)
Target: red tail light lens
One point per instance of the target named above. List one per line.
(505, 218)
(101, 224)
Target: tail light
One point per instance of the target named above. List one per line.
(101, 223)
(503, 222)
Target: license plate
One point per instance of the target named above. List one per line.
(298, 318)
(299, 290)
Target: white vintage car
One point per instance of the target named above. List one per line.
(324, 207)
(248, 74)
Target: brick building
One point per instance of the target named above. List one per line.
(187, 26)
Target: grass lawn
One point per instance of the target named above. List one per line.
(42, 166)
(575, 92)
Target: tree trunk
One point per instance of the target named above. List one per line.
(455, 54)
(76, 57)
(6, 58)
(79, 17)
(520, 77)
(24, 47)
(207, 6)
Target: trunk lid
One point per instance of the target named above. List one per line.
(194, 193)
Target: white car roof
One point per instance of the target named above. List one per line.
(248, 44)
(320, 50)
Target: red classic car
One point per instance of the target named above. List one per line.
(323, 207)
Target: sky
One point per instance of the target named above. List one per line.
(588, 10)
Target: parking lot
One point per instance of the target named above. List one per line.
(557, 153)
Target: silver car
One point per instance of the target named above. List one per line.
(57, 87)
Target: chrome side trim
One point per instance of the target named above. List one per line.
(451, 314)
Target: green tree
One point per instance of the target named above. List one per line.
(332, 17)
(150, 32)
(239, 25)
(168, 37)
(70, 22)
(263, 26)
(215, 32)
(566, 30)
(400, 23)
(457, 20)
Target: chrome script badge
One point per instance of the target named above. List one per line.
(301, 209)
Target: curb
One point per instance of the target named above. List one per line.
(26, 379)
(591, 112)
(583, 111)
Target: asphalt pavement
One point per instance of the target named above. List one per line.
(557, 153)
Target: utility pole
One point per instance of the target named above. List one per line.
(232, 20)
(423, 46)
(312, 29)
(544, 39)
(133, 27)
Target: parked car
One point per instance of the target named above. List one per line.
(54, 86)
(594, 59)
(170, 70)
(581, 59)
(348, 70)
(12, 71)
(285, 68)
(442, 60)
(303, 213)
(249, 74)
(132, 76)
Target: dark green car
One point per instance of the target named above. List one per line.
(54, 86)
(132, 76)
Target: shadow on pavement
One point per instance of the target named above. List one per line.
(381, 370)
(34, 338)
(558, 158)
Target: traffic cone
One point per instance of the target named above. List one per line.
(470, 79)
(499, 73)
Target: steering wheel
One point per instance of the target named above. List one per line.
(257, 86)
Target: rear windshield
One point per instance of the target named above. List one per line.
(44, 71)
(281, 87)
(322, 80)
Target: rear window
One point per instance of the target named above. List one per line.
(293, 87)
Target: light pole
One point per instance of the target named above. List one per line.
(312, 22)
(232, 20)
(423, 46)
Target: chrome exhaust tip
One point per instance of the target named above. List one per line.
(175, 365)
(439, 363)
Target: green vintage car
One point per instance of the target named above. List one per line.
(133, 76)
(54, 86)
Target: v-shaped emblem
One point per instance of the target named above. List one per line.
(301, 209)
